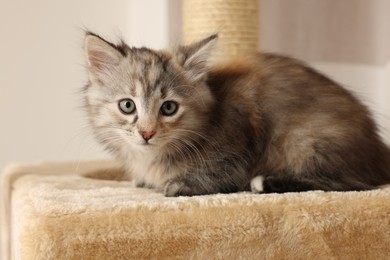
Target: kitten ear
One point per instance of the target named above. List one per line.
(195, 57)
(101, 56)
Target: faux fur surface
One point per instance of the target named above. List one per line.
(52, 211)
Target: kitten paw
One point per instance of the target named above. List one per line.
(142, 184)
(177, 188)
(139, 184)
(272, 184)
(257, 184)
(278, 184)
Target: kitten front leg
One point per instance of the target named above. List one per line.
(187, 186)
(193, 184)
(142, 184)
(175, 187)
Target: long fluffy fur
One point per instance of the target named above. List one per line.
(268, 116)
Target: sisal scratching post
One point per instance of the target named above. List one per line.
(235, 21)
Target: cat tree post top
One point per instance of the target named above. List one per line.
(235, 21)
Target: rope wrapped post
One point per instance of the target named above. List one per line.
(235, 21)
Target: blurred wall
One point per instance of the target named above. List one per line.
(345, 31)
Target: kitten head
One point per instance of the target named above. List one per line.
(146, 100)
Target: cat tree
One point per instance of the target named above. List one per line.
(235, 21)
(80, 211)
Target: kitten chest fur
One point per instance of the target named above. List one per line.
(148, 170)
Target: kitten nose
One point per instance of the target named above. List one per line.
(147, 135)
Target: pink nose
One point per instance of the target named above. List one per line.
(147, 135)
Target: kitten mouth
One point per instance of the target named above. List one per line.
(146, 143)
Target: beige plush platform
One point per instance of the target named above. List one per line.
(52, 211)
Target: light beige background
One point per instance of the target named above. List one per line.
(353, 31)
(42, 66)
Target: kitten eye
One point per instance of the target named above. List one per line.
(127, 106)
(169, 108)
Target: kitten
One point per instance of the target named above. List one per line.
(185, 128)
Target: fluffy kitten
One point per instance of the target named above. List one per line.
(185, 128)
